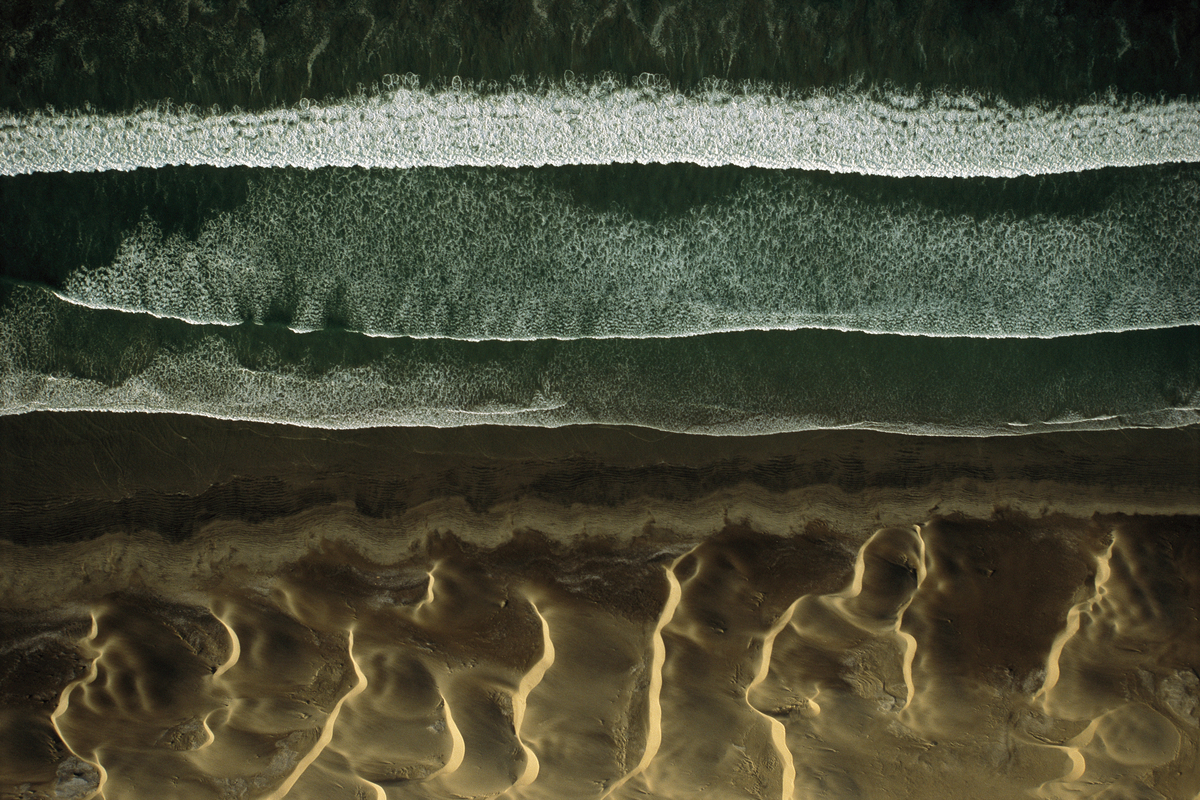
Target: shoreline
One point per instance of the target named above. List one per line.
(165, 500)
(113, 456)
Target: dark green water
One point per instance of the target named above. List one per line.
(57, 355)
(115, 54)
(573, 252)
(676, 296)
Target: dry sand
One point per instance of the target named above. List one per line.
(200, 609)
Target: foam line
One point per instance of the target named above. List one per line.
(898, 135)
(734, 384)
(504, 255)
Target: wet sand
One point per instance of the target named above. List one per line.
(192, 608)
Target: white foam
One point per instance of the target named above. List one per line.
(898, 135)
(671, 386)
(510, 255)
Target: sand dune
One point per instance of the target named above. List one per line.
(755, 667)
(692, 635)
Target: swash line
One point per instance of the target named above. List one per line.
(410, 419)
(781, 325)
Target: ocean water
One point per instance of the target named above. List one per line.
(60, 356)
(893, 132)
(115, 55)
(630, 252)
(740, 229)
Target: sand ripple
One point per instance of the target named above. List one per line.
(690, 635)
(745, 666)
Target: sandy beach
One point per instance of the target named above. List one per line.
(205, 609)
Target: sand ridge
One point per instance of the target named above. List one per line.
(755, 666)
(600, 616)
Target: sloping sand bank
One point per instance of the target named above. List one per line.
(200, 609)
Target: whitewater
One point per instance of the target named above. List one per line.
(473, 254)
(878, 132)
(59, 356)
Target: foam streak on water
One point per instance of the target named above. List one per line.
(517, 255)
(737, 383)
(851, 132)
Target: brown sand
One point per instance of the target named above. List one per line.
(201, 609)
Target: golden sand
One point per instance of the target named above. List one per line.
(195, 609)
